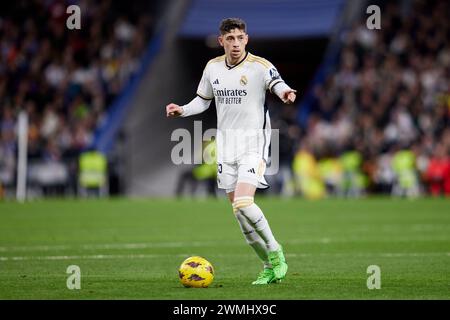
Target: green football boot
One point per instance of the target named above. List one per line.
(265, 277)
(278, 262)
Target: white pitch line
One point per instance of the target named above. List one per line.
(153, 256)
(88, 257)
(144, 245)
(149, 245)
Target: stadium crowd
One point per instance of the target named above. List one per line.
(381, 119)
(64, 79)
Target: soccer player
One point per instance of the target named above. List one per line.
(238, 81)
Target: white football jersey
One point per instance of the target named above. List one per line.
(243, 122)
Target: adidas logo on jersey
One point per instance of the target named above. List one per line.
(251, 170)
(216, 81)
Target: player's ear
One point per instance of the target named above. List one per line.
(220, 39)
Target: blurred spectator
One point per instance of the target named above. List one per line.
(353, 179)
(7, 148)
(404, 167)
(92, 174)
(204, 174)
(308, 182)
(437, 175)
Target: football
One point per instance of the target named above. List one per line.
(196, 272)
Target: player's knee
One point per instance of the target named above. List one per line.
(240, 203)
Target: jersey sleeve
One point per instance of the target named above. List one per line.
(204, 89)
(271, 77)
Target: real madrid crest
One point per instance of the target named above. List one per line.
(243, 80)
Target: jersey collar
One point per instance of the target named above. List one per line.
(237, 64)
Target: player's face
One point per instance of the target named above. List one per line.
(234, 43)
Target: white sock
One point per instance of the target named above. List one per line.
(258, 221)
(253, 238)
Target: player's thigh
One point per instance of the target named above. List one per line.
(244, 189)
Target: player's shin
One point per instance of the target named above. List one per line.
(252, 238)
(257, 220)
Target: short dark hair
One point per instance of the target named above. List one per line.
(232, 23)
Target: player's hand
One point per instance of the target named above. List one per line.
(289, 96)
(173, 110)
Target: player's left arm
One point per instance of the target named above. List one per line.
(275, 84)
(285, 93)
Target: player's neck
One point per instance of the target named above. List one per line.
(233, 62)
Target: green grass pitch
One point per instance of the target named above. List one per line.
(131, 249)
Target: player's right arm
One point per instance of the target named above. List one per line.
(198, 104)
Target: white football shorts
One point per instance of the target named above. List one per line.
(249, 169)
